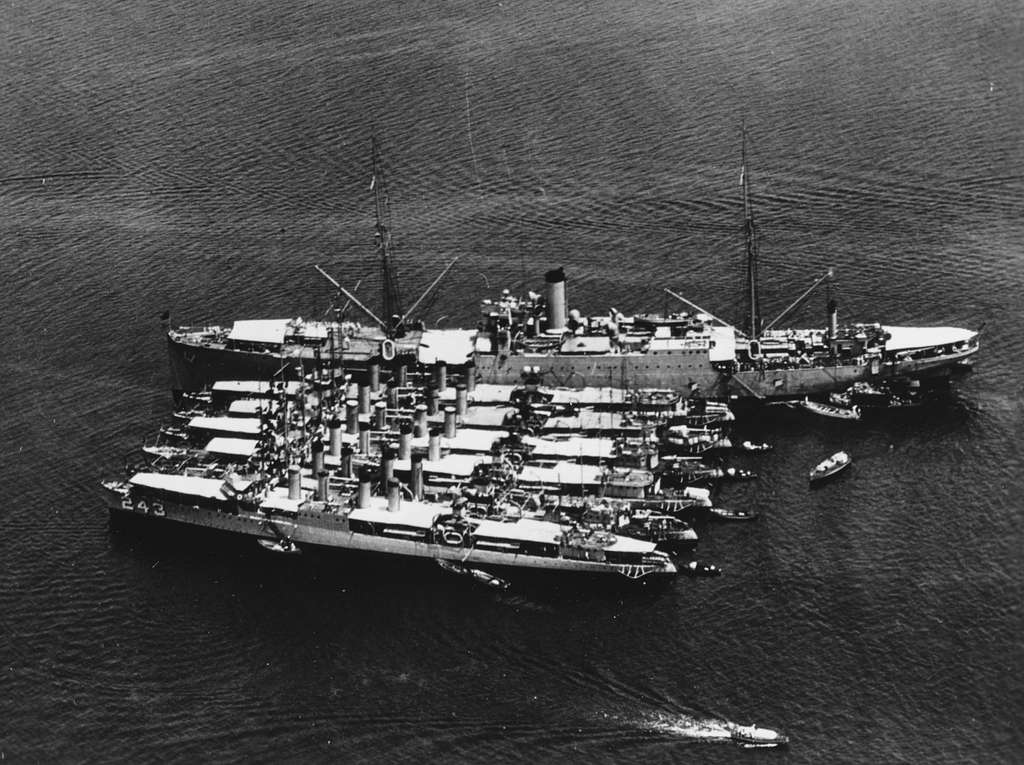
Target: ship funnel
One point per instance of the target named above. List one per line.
(555, 280)
(461, 399)
(294, 482)
(400, 377)
(321, 485)
(346, 461)
(392, 397)
(449, 422)
(317, 450)
(380, 421)
(364, 437)
(833, 320)
(434, 446)
(420, 422)
(387, 463)
(364, 398)
(470, 375)
(363, 496)
(373, 376)
(431, 396)
(416, 475)
(352, 416)
(441, 375)
(405, 440)
(394, 495)
(334, 435)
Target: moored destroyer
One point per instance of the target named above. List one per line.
(294, 517)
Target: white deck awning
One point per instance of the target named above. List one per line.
(523, 530)
(723, 344)
(465, 440)
(564, 474)
(206, 488)
(254, 387)
(913, 338)
(232, 447)
(266, 331)
(240, 425)
(570, 448)
(453, 346)
(414, 514)
(251, 407)
(455, 465)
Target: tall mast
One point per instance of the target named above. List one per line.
(392, 302)
(750, 235)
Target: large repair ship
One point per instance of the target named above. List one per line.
(687, 351)
(696, 351)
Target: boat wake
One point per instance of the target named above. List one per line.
(713, 730)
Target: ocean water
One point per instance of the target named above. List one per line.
(202, 158)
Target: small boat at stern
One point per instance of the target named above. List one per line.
(752, 736)
(830, 466)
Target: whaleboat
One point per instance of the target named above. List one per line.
(834, 411)
(830, 466)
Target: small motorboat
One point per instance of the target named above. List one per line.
(831, 466)
(750, 446)
(738, 474)
(699, 568)
(475, 574)
(724, 514)
(168, 452)
(281, 545)
(753, 737)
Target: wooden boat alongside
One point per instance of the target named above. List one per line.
(475, 574)
(828, 410)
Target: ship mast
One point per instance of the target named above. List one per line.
(750, 236)
(392, 302)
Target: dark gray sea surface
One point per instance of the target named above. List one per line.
(201, 158)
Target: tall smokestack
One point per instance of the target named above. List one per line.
(321, 485)
(394, 489)
(352, 416)
(317, 451)
(373, 376)
(404, 440)
(441, 375)
(416, 475)
(400, 377)
(363, 495)
(434, 445)
(387, 463)
(346, 461)
(420, 422)
(556, 310)
(334, 435)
